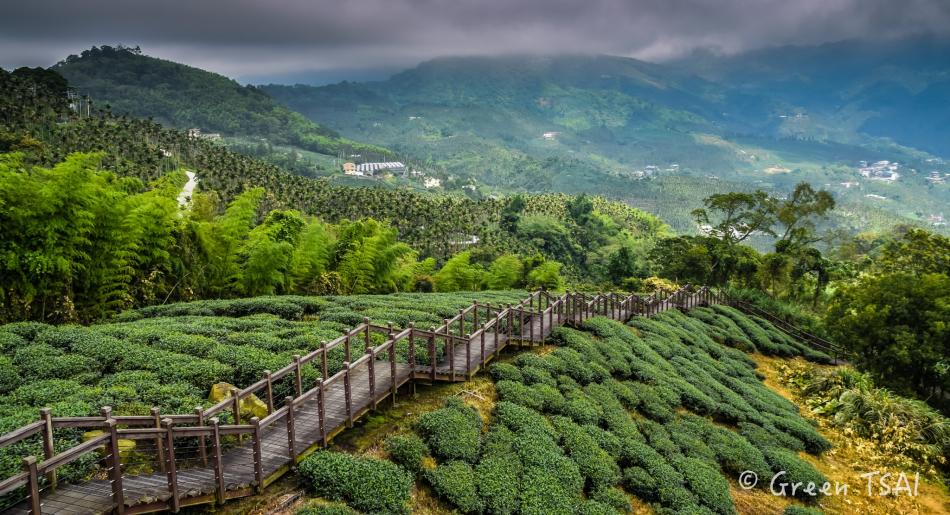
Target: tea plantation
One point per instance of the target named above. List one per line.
(669, 410)
(170, 356)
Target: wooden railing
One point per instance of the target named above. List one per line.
(837, 352)
(316, 406)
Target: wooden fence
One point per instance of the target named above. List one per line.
(214, 454)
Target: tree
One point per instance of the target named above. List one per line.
(547, 275)
(896, 324)
(458, 274)
(739, 215)
(505, 273)
(797, 215)
(917, 251)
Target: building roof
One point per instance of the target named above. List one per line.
(372, 167)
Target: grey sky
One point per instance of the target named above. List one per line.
(274, 38)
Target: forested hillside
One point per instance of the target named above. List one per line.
(183, 97)
(250, 227)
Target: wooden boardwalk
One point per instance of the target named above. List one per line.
(197, 459)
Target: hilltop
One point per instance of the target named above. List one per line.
(184, 97)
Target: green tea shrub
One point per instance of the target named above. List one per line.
(520, 394)
(505, 371)
(367, 484)
(592, 507)
(708, 485)
(803, 431)
(534, 375)
(42, 361)
(455, 482)
(520, 419)
(795, 509)
(581, 409)
(594, 463)
(498, 481)
(795, 470)
(9, 375)
(612, 497)
(10, 341)
(452, 432)
(408, 451)
(326, 509)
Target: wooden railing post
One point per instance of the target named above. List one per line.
(291, 438)
(322, 409)
(511, 323)
(269, 390)
(366, 339)
(236, 405)
(468, 355)
(33, 485)
(258, 456)
(172, 470)
(474, 315)
(324, 368)
(217, 463)
(371, 367)
(461, 322)
(202, 450)
(481, 337)
(114, 463)
(520, 323)
(48, 448)
(411, 358)
(431, 344)
(347, 394)
(298, 375)
(159, 441)
(392, 364)
(346, 348)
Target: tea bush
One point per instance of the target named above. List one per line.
(453, 432)
(455, 481)
(408, 451)
(367, 484)
(326, 509)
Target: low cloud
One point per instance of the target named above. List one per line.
(244, 38)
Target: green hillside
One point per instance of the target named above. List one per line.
(184, 97)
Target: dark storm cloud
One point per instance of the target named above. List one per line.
(260, 38)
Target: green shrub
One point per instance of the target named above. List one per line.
(520, 419)
(519, 394)
(594, 463)
(705, 481)
(326, 509)
(613, 497)
(498, 482)
(592, 507)
(505, 371)
(367, 484)
(795, 470)
(452, 432)
(455, 482)
(41, 361)
(9, 376)
(408, 451)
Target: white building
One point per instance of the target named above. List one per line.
(377, 168)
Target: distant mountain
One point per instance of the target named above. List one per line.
(894, 89)
(658, 136)
(185, 97)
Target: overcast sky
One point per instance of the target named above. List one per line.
(257, 39)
